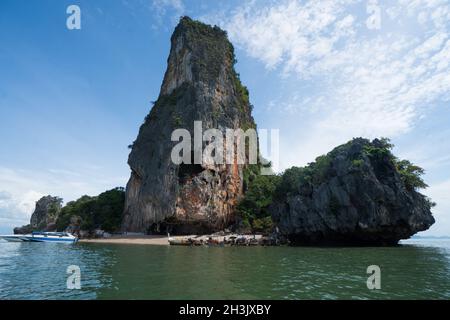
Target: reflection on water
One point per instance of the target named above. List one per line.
(415, 270)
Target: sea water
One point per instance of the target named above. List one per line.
(417, 269)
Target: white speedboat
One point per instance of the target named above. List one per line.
(42, 237)
(51, 237)
(14, 238)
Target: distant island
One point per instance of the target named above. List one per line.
(428, 237)
(357, 194)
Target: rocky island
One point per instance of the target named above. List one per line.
(357, 194)
(44, 216)
(85, 217)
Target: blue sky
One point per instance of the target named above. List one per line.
(71, 101)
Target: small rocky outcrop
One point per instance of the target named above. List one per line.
(23, 229)
(200, 84)
(358, 194)
(44, 216)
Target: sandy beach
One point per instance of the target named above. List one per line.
(164, 240)
(149, 240)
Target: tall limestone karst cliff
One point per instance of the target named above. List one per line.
(200, 84)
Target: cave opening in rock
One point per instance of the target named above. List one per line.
(188, 171)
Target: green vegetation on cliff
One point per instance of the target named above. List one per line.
(210, 45)
(53, 211)
(88, 213)
(316, 172)
(262, 190)
(410, 174)
(207, 63)
(253, 208)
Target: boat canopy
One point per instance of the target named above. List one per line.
(57, 234)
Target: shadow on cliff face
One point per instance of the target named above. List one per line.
(188, 171)
(360, 238)
(172, 226)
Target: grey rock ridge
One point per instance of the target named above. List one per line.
(358, 197)
(44, 216)
(200, 84)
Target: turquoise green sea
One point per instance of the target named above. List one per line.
(418, 269)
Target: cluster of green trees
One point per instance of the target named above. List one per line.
(410, 173)
(261, 191)
(101, 212)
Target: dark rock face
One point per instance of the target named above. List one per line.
(361, 200)
(44, 216)
(23, 230)
(200, 84)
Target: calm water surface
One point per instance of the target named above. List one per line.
(418, 269)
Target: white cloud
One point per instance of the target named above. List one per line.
(370, 82)
(341, 80)
(172, 9)
(163, 5)
(15, 210)
(20, 189)
(292, 33)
